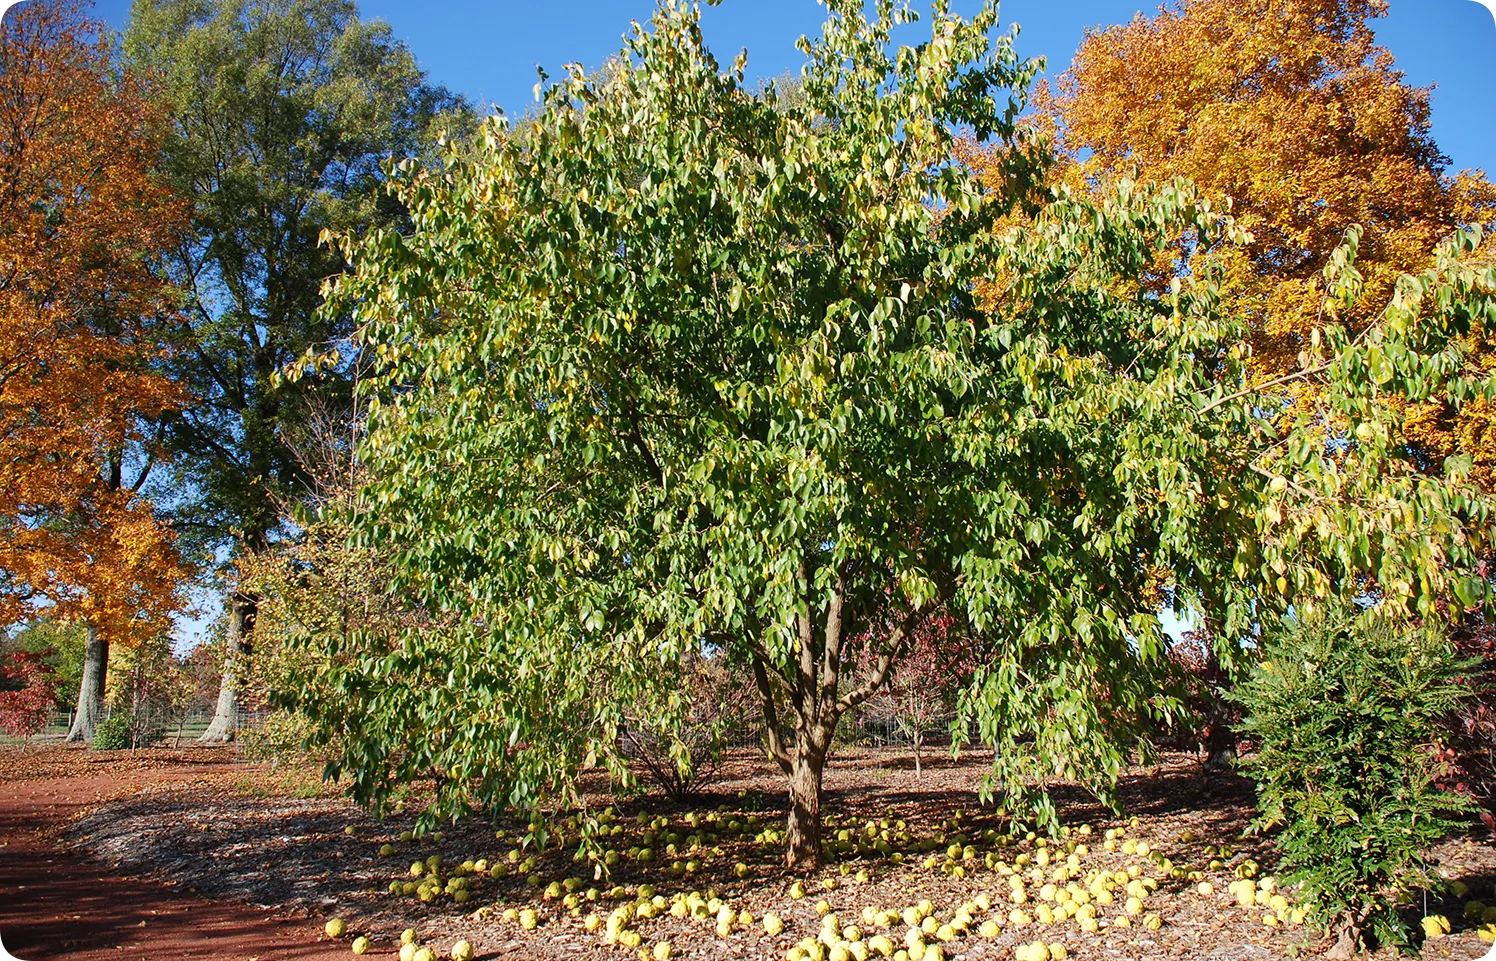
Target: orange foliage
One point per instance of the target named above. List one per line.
(83, 222)
(1290, 110)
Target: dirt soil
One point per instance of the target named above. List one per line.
(56, 902)
(185, 854)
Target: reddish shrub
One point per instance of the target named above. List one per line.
(28, 694)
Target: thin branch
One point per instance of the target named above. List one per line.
(898, 644)
(771, 714)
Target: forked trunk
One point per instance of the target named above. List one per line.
(225, 722)
(91, 690)
(803, 837)
(809, 685)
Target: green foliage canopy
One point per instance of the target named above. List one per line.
(281, 116)
(677, 364)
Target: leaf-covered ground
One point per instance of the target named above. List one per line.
(249, 837)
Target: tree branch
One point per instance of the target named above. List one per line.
(897, 645)
(771, 713)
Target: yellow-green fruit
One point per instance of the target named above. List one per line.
(1153, 922)
(336, 928)
(407, 952)
(1487, 933)
(462, 951)
(528, 919)
(417, 869)
(423, 954)
(773, 926)
(1435, 926)
(1058, 952)
(385, 850)
(360, 945)
(662, 950)
(797, 890)
(989, 929)
(408, 936)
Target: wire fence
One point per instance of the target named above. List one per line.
(154, 727)
(863, 731)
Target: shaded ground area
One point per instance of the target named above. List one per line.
(269, 851)
(55, 903)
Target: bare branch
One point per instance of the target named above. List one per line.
(771, 713)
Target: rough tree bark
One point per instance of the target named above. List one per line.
(91, 690)
(809, 687)
(222, 727)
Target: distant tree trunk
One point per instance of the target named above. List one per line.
(1220, 734)
(91, 690)
(919, 740)
(1220, 744)
(221, 728)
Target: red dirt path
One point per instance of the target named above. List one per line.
(56, 904)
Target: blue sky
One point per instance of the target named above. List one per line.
(488, 49)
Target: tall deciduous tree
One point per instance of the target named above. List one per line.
(677, 364)
(282, 112)
(84, 226)
(1290, 109)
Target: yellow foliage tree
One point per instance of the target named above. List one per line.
(1289, 109)
(83, 223)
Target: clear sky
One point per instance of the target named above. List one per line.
(488, 49)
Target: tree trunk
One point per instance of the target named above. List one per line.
(1220, 744)
(222, 727)
(918, 773)
(91, 691)
(810, 683)
(803, 837)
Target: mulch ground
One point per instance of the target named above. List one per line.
(186, 854)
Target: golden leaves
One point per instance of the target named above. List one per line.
(1288, 109)
(82, 219)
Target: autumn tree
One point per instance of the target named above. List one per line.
(922, 691)
(1289, 109)
(281, 114)
(84, 227)
(27, 694)
(680, 364)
